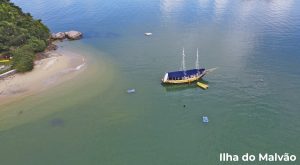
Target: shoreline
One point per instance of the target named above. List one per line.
(60, 66)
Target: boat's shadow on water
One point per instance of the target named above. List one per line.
(182, 87)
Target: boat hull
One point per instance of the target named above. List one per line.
(183, 81)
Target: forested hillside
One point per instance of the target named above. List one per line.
(21, 36)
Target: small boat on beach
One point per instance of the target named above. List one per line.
(4, 61)
(184, 76)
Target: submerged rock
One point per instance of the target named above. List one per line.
(73, 35)
(57, 122)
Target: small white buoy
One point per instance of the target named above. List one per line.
(148, 34)
(205, 119)
(131, 91)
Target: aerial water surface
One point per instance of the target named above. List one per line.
(252, 102)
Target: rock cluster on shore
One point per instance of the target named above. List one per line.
(71, 35)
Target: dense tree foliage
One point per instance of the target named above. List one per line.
(21, 35)
(23, 58)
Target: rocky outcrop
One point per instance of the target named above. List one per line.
(51, 47)
(71, 35)
(58, 36)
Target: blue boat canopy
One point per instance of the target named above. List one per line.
(180, 74)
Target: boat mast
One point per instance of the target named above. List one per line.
(183, 60)
(197, 60)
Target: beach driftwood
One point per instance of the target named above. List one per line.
(71, 35)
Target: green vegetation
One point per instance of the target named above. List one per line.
(23, 58)
(21, 36)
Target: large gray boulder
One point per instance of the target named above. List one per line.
(58, 36)
(73, 35)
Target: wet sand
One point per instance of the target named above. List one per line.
(62, 65)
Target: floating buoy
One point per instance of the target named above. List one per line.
(131, 91)
(205, 119)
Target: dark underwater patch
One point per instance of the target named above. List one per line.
(57, 122)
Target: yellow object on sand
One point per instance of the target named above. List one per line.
(4, 60)
(201, 85)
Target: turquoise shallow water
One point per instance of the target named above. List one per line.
(252, 103)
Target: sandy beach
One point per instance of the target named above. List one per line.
(62, 65)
